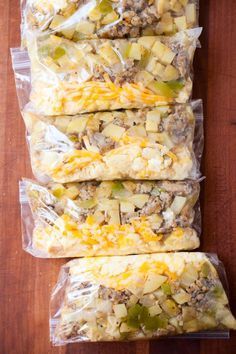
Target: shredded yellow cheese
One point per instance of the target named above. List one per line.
(90, 232)
(106, 91)
(78, 159)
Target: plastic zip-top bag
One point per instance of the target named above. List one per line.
(89, 19)
(136, 144)
(98, 75)
(109, 218)
(139, 297)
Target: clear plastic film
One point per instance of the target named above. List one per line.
(140, 297)
(136, 144)
(109, 218)
(68, 78)
(77, 20)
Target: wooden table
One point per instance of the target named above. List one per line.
(26, 282)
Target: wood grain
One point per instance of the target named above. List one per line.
(26, 282)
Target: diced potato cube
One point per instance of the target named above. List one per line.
(164, 27)
(68, 32)
(162, 6)
(120, 310)
(87, 204)
(177, 7)
(137, 131)
(95, 15)
(61, 123)
(168, 56)
(114, 217)
(155, 68)
(153, 121)
(191, 13)
(104, 190)
(124, 328)
(109, 18)
(126, 207)
(106, 52)
(159, 49)
(159, 70)
(135, 51)
(144, 77)
(154, 310)
(191, 326)
(178, 204)
(151, 125)
(63, 61)
(151, 64)
(77, 125)
(98, 217)
(163, 53)
(130, 186)
(108, 204)
(183, 2)
(174, 322)
(167, 18)
(181, 297)
(181, 23)
(170, 307)
(166, 23)
(113, 131)
(131, 114)
(55, 40)
(160, 28)
(189, 313)
(72, 192)
(155, 221)
(170, 73)
(166, 140)
(85, 27)
(106, 117)
(155, 114)
(147, 42)
(57, 21)
(103, 305)
(208, 321)
(111, 207)
(139, 200)
(153, 137)
(189, 275)
(153, 282)
(79, 54)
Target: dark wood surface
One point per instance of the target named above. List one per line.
(25, 282)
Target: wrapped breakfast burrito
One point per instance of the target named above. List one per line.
(136, 144)
(77, 19)
(109, 218)
(138, 297)
(98, 75)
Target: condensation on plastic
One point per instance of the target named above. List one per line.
(109, 218)
(144, 144)
(103, 299)
(106, 19)
(98, 75)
